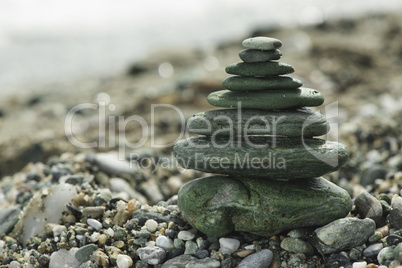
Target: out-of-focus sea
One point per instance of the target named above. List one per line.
(47, 41)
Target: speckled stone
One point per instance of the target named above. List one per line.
(84, 253)
(218, 205)
(272, 99)
(296, 245)
(262, 43)
(261, 259)
(232, 122)
(395, 215)
(256, 55)
(203, 263)
(259, 69)
(151, 255)
(8, 219)
(344, 234)
(265, 157)
(179, 261)
(369, 207)
(244, 83)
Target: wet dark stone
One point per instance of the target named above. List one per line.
(201, 253)
(340, 260)
(33, 177)
(75, 211)
(356, 254)
(170, 233)
(176, 252)
(205, 244)
(393, 240)
(373, 250)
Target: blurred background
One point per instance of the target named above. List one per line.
(45, 41)
(55, 55)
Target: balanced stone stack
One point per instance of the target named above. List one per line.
(266, 151)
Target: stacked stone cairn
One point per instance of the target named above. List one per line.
(264, 147)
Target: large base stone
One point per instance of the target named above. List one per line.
(218, 205)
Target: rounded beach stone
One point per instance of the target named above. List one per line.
(256, 55)
(272, 99)
(261, 259)
(259, 69)
(232, 122)
(244, 83)
(262, 42)
(269, 157)
(344, 234)
(296, 245)
(218, 205)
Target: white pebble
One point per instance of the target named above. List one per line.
(151, 225)
(228, 245)
(110, 232)
(57, 230)
(15, 264)
(124, 261)
(121, 206)
(381, 254)
(185, 235)
(250, 247)
(94, 224)
(95, 237)
(150, 244)
(164, 242)
(361, 264)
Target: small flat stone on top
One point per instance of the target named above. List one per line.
(245, 83)
(256, 55)
(262, 42)
(259, 68)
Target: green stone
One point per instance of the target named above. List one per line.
(270, 157)
(343, 234)
(296, 245)
(259, 69)
(232, 122)
(255, 55)
(262, 43)
(272, 99)
(245, 83)
(218, 205)
(84, 253)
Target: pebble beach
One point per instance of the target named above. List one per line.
(63, 205)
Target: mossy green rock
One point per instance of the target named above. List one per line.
(259, 69)
(244, 83)
(267, 99)
(270, 157)
(256, 55)
(232, 122)
(218, 205)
